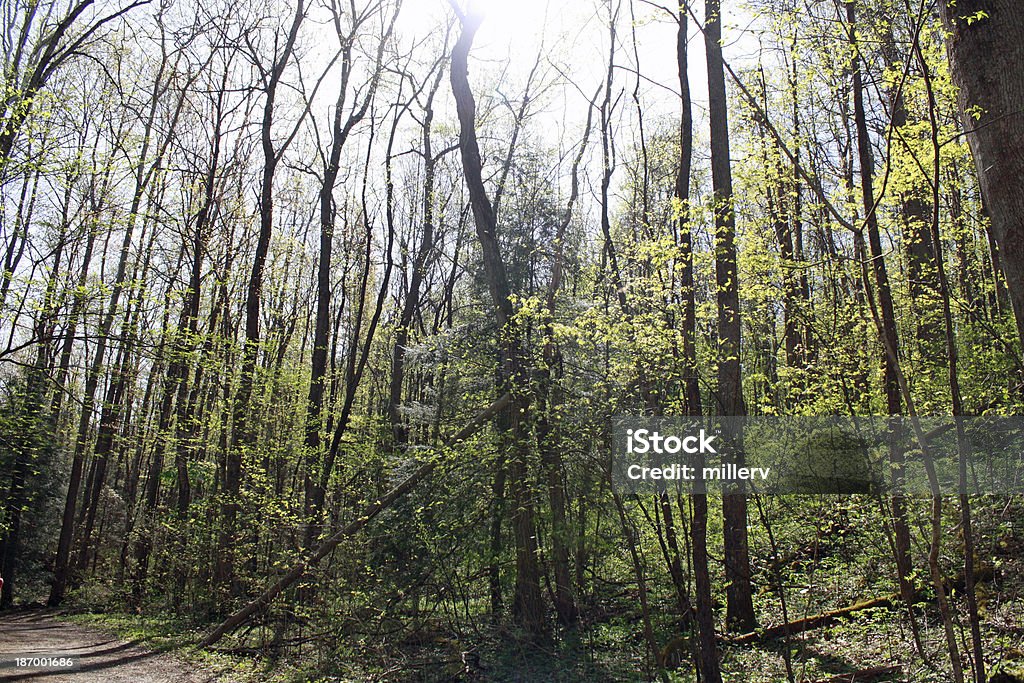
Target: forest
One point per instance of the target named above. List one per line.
(319, 320)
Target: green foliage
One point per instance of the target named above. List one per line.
(32, 467)
(433, 578)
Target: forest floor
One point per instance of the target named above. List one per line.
(102, 657)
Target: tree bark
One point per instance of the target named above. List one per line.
(739, 605)
(986, 54)
(707, 647)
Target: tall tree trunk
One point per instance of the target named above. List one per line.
(359, 347)
(175, 389)
(707, 646)
(243, 433)
(527, 606)
(890, 342)
(340, 130)
(61, 572)
(739, 605)
(953, 375)
(986, 54)
(691, 381)
(113, 413)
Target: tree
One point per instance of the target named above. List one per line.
(707, 651)
(527, 606)
(986, 50)
(740, 606)
(150, 159)
(341, 128)
(243, 432)
(248, 289)
(28, 455)
(37, 52)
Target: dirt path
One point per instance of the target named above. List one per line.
(102, 658)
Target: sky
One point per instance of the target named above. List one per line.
(573, 36)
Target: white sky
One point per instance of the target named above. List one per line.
(574, 34)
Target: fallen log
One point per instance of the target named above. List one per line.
(813, 622)
(862, 676)
(372, 510)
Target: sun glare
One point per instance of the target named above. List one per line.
(523, 19)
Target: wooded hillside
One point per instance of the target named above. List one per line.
(315, 317)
